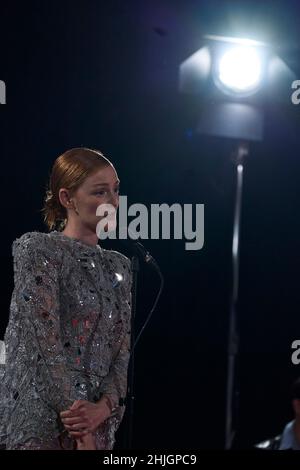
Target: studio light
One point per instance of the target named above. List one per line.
(231, 80)
(227, 67)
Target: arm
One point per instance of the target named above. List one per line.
(114, 385)
(36, 269)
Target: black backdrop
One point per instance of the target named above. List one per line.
(104, 75)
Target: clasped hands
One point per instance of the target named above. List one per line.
(83, 418)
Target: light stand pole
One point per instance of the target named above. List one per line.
(233, 332)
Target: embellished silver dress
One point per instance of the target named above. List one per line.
(68, 338)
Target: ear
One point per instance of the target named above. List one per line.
(64, 198)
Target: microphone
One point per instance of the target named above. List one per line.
(139, 249)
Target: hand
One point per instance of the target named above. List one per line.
(85, 417)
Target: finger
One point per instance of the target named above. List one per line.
(66, 413)
(76, 404)
(70, 414)
(74, 420)
(75, 427)
(78, 434)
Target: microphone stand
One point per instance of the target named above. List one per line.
(139, 250)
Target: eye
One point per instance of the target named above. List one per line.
(102, 192)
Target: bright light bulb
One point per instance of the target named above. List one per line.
(240, 69)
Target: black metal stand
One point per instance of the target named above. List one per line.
(233, 333)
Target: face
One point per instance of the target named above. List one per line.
(100, 188)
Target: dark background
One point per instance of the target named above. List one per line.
(104, 74)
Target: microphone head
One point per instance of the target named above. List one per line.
(134, 245)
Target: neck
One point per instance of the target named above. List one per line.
(81, 233)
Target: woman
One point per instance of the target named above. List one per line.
(68, 337)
